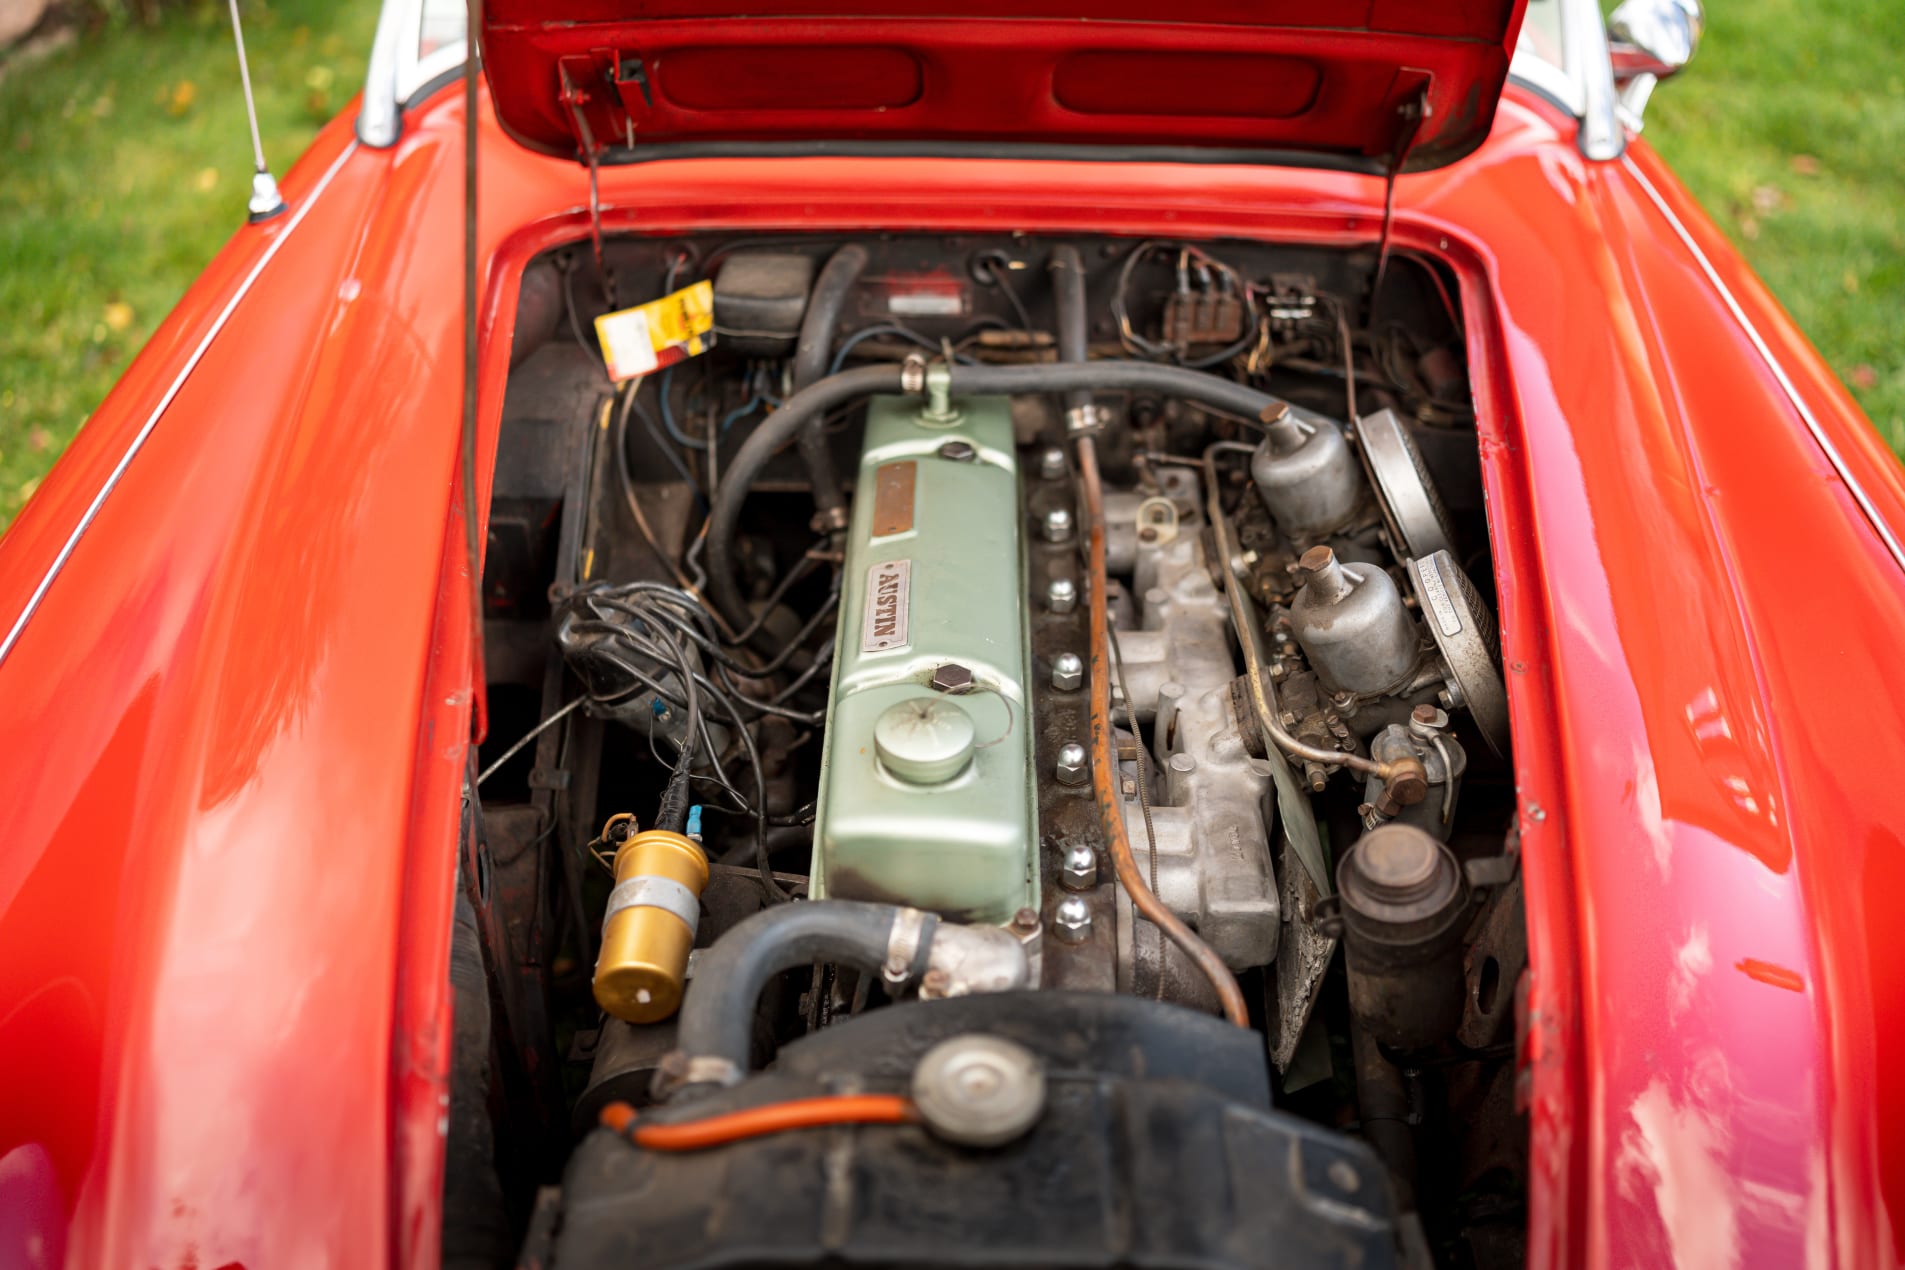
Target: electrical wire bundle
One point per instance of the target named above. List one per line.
(1208, 269)
(651, 650)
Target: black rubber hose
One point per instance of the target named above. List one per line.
(813, 403)
(1067, 268)
(717, 1016)
(775, 431)
(811, 356)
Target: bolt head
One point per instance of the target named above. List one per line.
(1425, 721)
(958, 451)
(1057, 525)
(1071, 920)
(1079, 871)
(1061, 595)
(1068, 672)
(1073, 768)
(952, 677)
(1051, 464)
(1025, 919)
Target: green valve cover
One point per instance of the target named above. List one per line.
(926, 792)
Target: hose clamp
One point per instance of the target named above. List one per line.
(1084, 421)
(678, 1070)
(655, 892)
(913, 375)
(904, 946)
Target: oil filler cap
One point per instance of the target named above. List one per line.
(924, 740)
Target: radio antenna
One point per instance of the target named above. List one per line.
(266, 202)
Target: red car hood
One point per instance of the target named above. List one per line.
(1377, 86)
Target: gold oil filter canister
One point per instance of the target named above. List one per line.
(648, 927)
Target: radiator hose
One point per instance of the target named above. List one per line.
(824, 305)
(902, 946)
(812, 404)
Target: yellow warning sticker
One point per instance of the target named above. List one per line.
(657, 334)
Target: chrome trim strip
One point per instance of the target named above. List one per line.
(1832, 454)
(303, 208)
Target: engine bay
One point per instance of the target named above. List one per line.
(997, 755)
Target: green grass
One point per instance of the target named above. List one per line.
(124, 166)
(1789, 126)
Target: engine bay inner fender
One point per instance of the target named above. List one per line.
(1063, 678)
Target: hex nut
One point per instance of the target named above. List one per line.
(1071, 920)
(1061, 595)
(952, 677)
(957, 451)
(1051, 464)
(1068, 672)
(1073, 767)
(1079, 871)
(1057, 525)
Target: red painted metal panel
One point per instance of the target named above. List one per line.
(235, 724)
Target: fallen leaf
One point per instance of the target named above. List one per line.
(1749, 227)
(319, 78)
(205, 180)
(1804, 164)
(102, 106)
(118, 315)
(184, 93)
(1768, 198)
(40, 439)
(27, 487)
(1863, 376)
(99, 332)
(1851, 282)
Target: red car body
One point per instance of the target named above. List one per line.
(239, 683)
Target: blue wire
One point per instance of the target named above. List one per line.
(868, 332)
(668, 413)
(739, 413)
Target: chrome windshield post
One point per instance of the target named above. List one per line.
(1602, 136)
(418, 43)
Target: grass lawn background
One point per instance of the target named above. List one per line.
(123, 168)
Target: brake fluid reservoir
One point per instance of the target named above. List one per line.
(926, 789)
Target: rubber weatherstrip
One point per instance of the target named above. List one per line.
(152, 421)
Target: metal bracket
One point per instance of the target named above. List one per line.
(938, 410)
(1413, 111)
(1086, 420)
(549, 778)
(575, 98)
